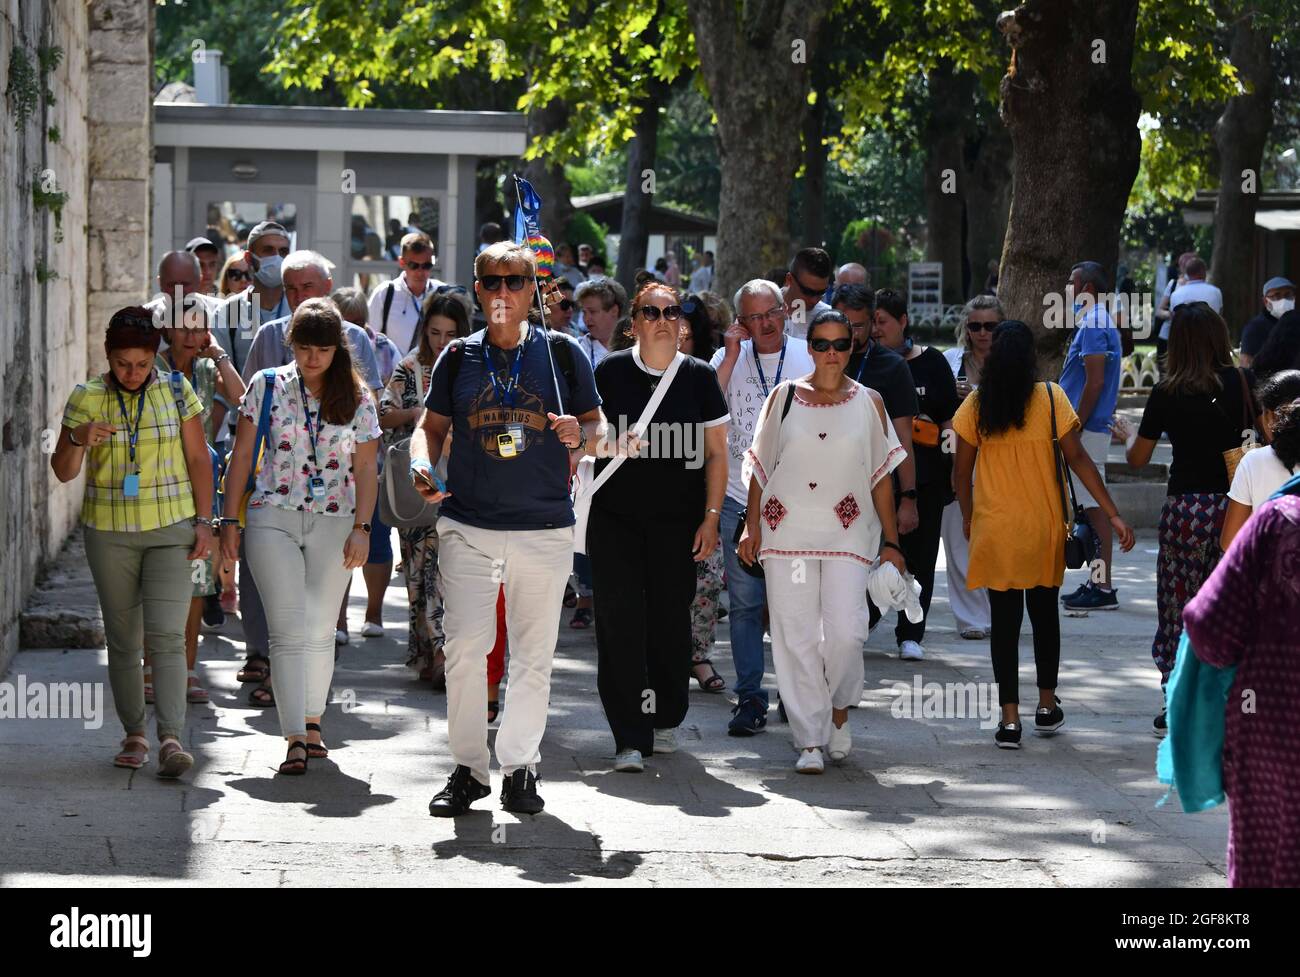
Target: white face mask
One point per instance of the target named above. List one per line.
(268, 271)
(1280, 307)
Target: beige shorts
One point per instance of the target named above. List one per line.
(1096, 444)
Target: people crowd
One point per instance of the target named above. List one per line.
(798, 448)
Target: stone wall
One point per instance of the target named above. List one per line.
(92, 141)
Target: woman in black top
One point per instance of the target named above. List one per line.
(1205, 405)
(651, 521)
(936, 394)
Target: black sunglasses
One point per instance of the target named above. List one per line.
(651, 313)
(419, 265)
(238, 274)
(981, 326)
(567, 304)
(443, 289)
(820, 345)
(804, 288)
(492, 283)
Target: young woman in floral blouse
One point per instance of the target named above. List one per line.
(308, 517)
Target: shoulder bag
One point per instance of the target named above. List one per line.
(1081, 542)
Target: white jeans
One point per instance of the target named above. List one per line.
(970, 608)
(819, 618)
(297, 560)
(534, 566)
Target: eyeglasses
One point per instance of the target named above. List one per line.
(776, 314)
(238, 275)
(651, 313)
(820, 345)
(419, 265)
(981, 326)
(804, 288)
(492, 283)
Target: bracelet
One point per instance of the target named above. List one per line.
(73, 438)
(228, 520)
(221, 359)
(891, 545)
(716, 512)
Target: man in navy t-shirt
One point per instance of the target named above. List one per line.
(515, 399)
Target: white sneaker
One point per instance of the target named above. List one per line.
(629, 761)
(810, 761)
(665, 741)
(911, 651)
(372, 630)
(340, 637)
(841, 741)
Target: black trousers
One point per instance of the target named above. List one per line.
(921, 551)
(1007, 611)
(643, 582)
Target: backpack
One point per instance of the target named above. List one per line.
(560, 348)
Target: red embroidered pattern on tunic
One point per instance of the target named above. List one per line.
(773, 512)
(847, 509)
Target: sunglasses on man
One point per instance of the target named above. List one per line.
(821, 345)
(651, 313)
(810, 292)
(419, 265)
(492, 283)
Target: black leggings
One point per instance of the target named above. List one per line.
(1007, 608)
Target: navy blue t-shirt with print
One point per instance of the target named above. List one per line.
(508, 469)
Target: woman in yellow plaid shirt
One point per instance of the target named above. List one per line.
(147, 475)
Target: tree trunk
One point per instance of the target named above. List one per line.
(1240, 136)
(756, 64)
(814, 176)
(950, 108)
(634, 232)
(547, 178)
(1073, 126)
(988, 199)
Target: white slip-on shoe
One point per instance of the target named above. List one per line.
(665, 741)
(911, 651)
(629, 761)
(810, 761)
(340, 637)
(841, 741)
(372, 630)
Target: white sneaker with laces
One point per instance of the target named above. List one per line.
(340, 637)
(810, 761)
(372, 630)
(911, 651)
(841, 741)
(629, 761)
(665, 741)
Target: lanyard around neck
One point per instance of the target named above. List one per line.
(780, 365)
(132, 434)
(506, 394)
(311, 429)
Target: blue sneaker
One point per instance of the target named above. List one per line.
(1075, 594)
(1094, 599)
(748, 718)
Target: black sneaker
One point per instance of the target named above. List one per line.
(748, 717)
(1077, 592)
(461, 791)
(1008, 736)
(1158, 726)
(1048, 721)
(519, 793)
(1094, 599)
(213, 615)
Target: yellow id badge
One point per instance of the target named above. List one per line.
(505, 446)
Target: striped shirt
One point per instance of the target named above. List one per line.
(165, 494)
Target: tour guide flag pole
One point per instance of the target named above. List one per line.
(527, 227)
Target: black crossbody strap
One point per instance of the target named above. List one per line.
(1058, 458)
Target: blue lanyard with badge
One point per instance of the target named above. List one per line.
(315, 484)
(512, 442)
(131, 483)
(780, 365)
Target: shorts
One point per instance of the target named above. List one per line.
(1096, 444)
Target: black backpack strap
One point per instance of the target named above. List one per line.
(789, 399)
(455, 354)
(388, 304)
(564, 355)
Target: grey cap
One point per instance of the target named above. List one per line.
(1278, 282)
(265, 228)
(202, 242)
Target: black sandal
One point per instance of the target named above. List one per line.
(316, 751)
(263, 697)
(715, 683)
(257, 668)
(293, 767)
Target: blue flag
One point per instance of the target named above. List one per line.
(529, 206)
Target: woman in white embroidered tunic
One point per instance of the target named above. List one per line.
(820, 513)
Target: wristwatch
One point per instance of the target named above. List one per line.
(908, 494)
(363, 526)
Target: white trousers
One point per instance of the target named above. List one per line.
(297, 559)
(534, 566)
(819, 616)
(970, 608)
